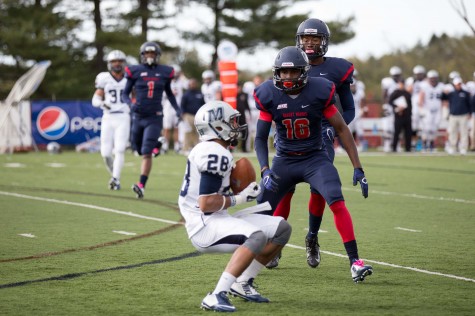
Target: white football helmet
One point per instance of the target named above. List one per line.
(116, 55)
(395, 71)
(432, 74)
(453, 75)
(419, 69)
(208, 74)
(53, 148)
(218, 120)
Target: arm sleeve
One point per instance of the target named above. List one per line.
(261, 141)
(210, 183)
(127, 90)
(347, 102)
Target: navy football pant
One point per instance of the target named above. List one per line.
(145, 132)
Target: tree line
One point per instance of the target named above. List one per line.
(60, 31)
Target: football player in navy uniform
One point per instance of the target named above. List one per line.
(297, 104)
(313, 37)
(149, 80)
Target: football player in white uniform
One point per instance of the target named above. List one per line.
(413, 86)
(172, 126)
(388, 85)
(210, 88)
(253, 239)
(430, 103)
(356, 127)
(115, 126)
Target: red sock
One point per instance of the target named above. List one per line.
(343, 221)
(283, 209)
(316, 204)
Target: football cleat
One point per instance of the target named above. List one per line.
(217, 302)
(114, 184)
(274, 262)
(247, 290)
(313, 251)
(359, 271)
(138, 190)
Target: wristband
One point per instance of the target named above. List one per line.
(233, 200)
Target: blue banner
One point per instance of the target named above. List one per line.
(65, 122)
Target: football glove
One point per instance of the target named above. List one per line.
(249, 194)
(358, 176)
(269, 179)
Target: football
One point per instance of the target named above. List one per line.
(242, 175)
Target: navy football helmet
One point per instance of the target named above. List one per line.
(290, 57)
(313, 27)
(150, 47)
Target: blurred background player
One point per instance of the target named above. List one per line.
(173, 130)
(313, 37)
(356, 127)
(242, 105)
(191, 102)
(252, 239)
(413, 86)
(248, 87)
(430, 105)
(471, 88)
(210, 88)
(149, 80)
(115, 125)
(388, 85)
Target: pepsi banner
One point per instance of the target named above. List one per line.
(65, 122)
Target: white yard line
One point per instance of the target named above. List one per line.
(124, 233)
(27, 235)
(104, 209)
(408, 229)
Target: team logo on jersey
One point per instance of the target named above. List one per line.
(143, 74)
(52, 123)
(282, 106)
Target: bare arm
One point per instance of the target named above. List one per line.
(346, 138)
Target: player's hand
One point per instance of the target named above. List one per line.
(358, 176)
(251, 192)
(269, 179)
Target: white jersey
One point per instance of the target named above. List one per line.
(208, 157)
(389, 85)
(210, 90)
(432, 96)
(112, 92)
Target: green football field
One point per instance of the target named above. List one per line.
(70, 246)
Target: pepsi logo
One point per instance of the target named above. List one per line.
(52, 123)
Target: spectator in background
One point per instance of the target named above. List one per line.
(242, 106)
(388, 85)
(471, 88)
(413, 86)
(430, 103)
(401, 102)
(115, 126)
(172, 127)
(459, 112)
(190, 104)
(149, 80)
(210, 88)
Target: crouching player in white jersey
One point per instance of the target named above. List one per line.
(205, 196)
(115, 126)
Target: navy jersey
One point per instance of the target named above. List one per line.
(297, 117)
(149, 82)
(340, 72)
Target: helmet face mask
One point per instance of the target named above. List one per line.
(218, 120)
(290, 58)
(145, 56)
(112, 57)
(313, 28)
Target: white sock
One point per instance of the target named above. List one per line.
(251, 272)
(224, 283)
